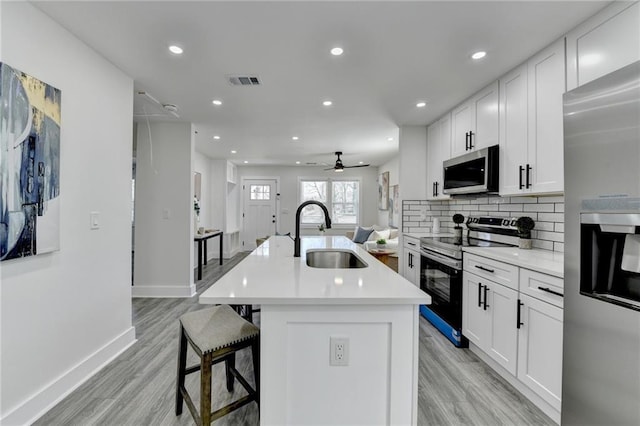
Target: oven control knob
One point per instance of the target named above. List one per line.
(505, 222)
(513, 222)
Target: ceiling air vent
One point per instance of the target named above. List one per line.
(244, 80)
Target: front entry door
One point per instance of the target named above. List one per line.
(259, 214)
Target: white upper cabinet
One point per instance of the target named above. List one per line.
(546, 86)
(531, 129)
(608, 41)
(513, 129)
(438, 150)
(474, 124)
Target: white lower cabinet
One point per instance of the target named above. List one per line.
(517, 323)
(540, 349)
(489, 319)
(411, 259)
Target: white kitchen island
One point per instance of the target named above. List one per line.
(302, 309)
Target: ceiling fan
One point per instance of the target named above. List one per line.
(339, 167)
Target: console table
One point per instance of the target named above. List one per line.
(201, 239)
(387, 256)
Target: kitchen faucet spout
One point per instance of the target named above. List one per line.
(327, 222)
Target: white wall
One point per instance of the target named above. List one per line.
(289, 192)
(164, 211)
(65, 314)
(393, 167)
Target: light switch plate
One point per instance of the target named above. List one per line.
(94, 220)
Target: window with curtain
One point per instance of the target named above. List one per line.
(342, 198)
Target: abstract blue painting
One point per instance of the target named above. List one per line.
(29, 165)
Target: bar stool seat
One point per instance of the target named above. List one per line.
(215, 335)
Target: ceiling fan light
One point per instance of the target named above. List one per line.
(340, 170)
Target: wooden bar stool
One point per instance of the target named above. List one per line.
(215, 335)
(245, 311)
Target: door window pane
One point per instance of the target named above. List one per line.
(260, 192)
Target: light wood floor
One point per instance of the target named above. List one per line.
(138, 388)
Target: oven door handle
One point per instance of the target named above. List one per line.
(455, 264)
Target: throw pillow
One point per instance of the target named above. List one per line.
(376, 235)
(361, 235)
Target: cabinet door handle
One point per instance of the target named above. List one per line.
(518, 318)
(486, 290)
(436, 189)
(471, 140)
(411, 244)
(433, 189)
(548, 290)
(410, 260)
(520, 170)
(480, 294)
(485, 269)
(466, 141)
(528, 174)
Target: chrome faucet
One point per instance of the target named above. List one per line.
(327, 221)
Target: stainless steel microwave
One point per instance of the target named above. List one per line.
(475, 172)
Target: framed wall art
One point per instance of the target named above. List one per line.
(29, 165)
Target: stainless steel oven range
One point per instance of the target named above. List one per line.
(441, 270)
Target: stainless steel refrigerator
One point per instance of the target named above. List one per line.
(601, 362)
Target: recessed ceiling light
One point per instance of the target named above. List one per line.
(245, 162)
(217, 102)
(234, 152)
(216, 137)
(327, 103)
(389, 139)
(297, 162)
(295, 138)
(360, 162)
(479, 55)
(421, 104)
(337, 51)
(175, 49)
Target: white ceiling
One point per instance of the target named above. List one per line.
(396, 53)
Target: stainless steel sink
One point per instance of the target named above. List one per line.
(334, 258)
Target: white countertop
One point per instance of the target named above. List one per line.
(543, 261)
(271, 275)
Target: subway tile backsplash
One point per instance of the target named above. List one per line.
(548, 213)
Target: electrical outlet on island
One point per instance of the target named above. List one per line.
(339, 351)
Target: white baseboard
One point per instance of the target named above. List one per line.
(521, 387)
(163, 291)
(41, 402)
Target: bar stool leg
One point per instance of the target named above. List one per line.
(230, 362)
(205, 389)
(255, 355)
(182, 365)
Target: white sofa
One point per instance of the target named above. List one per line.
(389, 234)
